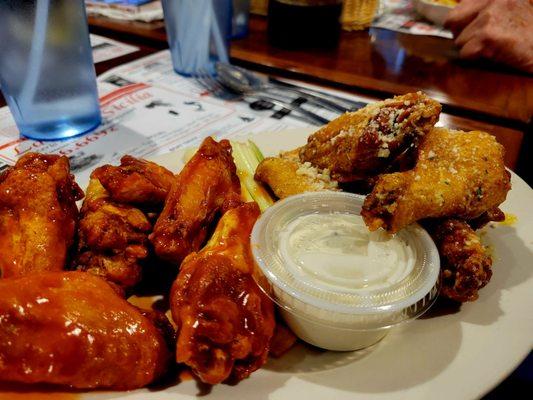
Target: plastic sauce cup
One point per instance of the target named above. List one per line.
(340, 320)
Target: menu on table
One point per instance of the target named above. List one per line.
(147, 110)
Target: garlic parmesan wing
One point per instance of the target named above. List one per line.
(287, 176)
(364, 143)
(457, 174)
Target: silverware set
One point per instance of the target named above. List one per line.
(238, 84)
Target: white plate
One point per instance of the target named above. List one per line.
(455, 356)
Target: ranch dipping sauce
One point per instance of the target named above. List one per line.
(337, 251)
(337, 285)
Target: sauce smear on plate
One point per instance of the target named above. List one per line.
(21, 392)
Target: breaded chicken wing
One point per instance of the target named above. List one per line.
(71, 328)
(207, 186)
(465, 265)
(135, 181)
(112, 238)
(225, 322)
(38, 214)
(457, 174)
(362, 144)
(287, 176)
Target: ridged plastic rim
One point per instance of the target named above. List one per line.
(425, 292)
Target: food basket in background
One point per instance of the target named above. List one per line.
(358, 14)
(259, 7)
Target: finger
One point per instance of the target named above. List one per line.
(472, 49)
(466, 11)
(463, 14)
(473, 29)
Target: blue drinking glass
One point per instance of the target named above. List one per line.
(46, 68)
(198, 33)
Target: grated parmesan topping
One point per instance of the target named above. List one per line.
(321, 179)
(342, 134)
(383, 153)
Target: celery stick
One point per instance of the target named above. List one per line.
(246, 162)
(251, 157)
(258, 154)
(245, 194)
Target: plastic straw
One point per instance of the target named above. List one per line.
(204, 54)
(36, 57)
(198, 35)
(217, 36)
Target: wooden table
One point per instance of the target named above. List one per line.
(376, 61)
(382, 63)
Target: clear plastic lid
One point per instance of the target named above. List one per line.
(356, 309)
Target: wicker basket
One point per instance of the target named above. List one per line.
(358, 14)
(259, 7)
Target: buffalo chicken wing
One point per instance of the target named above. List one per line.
(225, 322)
(135, 181)
(207, 186)
(71, 328)
(112, 238)
(38, 214)
(113, 232)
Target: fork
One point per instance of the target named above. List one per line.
(206, 80)
(214, 87)
(244, 81)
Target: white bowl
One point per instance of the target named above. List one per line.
(339, 320)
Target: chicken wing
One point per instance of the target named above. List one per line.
(225, 322)
(207, 186)
(465, 265)
(112, 238)
(492, 215)
(71, 328)
(282, 340)
(362, 144)
(135, 181)
(38, 214)
(288, 176)
(457, 174)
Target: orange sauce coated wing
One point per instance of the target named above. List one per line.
(71, 328)
(38, 214)
(135, 181)
(225, 322)
(112, 238)
(207, 185)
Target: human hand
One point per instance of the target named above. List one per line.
(501, 30)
